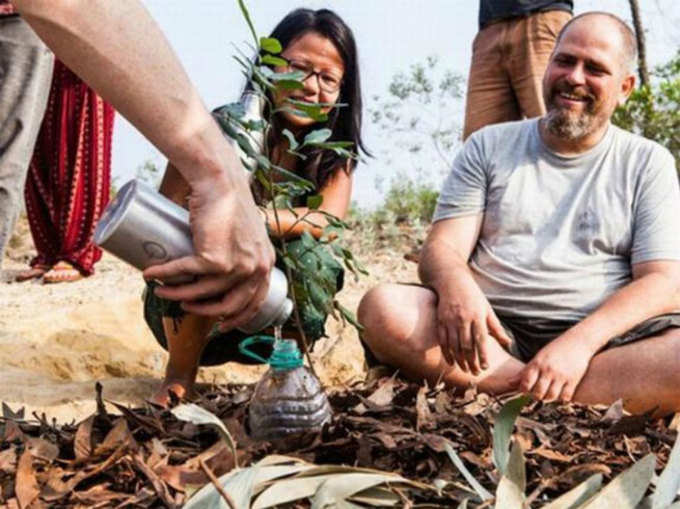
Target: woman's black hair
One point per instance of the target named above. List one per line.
(344, 122)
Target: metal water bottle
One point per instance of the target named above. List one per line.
(253, 105)
(144, 228)
(288, 400)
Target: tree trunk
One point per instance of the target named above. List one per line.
(640, 36)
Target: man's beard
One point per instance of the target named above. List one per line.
(568, 125)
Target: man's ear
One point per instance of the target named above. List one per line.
(627, 87)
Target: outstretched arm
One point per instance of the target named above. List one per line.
(557, 369)
(119, 50)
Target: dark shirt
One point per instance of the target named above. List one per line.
(495, 10)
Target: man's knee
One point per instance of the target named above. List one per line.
(389, 313)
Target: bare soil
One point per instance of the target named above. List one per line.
(57, 340)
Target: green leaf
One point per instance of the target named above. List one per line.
(271, 45)
(275, 61)
(246, 15)
(576, 496)
(314, 201)
(312, 110)
(502, 429)
(197, 415)
(516, 471)
(482, 493)
(348, 315)
(289, 85)
(317, 136)
(669, 480)
(292, 142)
(627, 489)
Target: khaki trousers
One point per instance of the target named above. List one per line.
(509, 58)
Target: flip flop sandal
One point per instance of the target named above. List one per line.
(62, 272)
(34, 272)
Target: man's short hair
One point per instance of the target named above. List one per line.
(629, 49)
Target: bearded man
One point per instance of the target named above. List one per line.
(553, 264)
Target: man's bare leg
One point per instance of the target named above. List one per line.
(643, 374)
(400, 330)
(186, 338)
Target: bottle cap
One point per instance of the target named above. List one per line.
(286, 355)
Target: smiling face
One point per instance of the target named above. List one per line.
(586, 79)
(311, 52)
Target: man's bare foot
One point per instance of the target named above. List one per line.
(34, 272)
(181, 389)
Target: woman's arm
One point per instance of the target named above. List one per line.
(336, 195)
(174, 186)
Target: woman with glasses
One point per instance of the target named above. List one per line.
(320, 46)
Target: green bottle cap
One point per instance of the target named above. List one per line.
(286, 355)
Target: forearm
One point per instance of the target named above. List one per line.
(444, 270)
(643, 298)
(121, 52)
(286, 224)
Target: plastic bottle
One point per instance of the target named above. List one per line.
(288, 400)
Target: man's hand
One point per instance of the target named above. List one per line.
(465, 319)
(556, 370)
(233, 257)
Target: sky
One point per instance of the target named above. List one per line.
(391, 35)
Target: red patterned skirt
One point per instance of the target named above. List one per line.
(69, 177)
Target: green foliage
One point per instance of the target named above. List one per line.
(654, 111)
(312, 290)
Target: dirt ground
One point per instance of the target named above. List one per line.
(57, 340)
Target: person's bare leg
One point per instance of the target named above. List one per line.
(643, 374)
(400, 330)
(187, 337)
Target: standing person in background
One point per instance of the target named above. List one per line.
(68, 180)
(509, 57)
(25, 73)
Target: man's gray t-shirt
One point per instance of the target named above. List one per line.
(560, 233)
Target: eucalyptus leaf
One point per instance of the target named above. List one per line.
(314, 201)
(270, 45)
(516, 470)
(669, 480)
(508, 495)
(342, 487)
(317, 136)
(502, 429)
(197, 415)
(627, 489)
(246, 15)
(292, 142)
(275, 61)
(576, 496)
(289, 85)
(482, 493)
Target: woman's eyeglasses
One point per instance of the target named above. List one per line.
(328, 82)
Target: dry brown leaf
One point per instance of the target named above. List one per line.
(424, 416)
(82, 444)
(551, 454)
(8, 460)
(26, 485)
(384, 394)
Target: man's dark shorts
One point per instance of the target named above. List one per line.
(530, 335)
